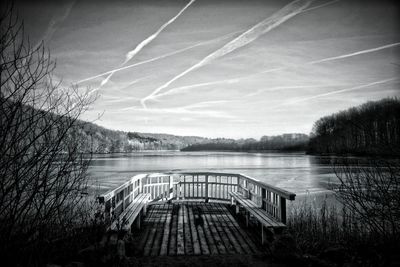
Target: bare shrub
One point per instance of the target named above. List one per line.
(369, 189)
(363, 225)
(42, 171)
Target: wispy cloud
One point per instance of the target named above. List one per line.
(119, 99)
(54, 23)
(322, 5)
(144, 43)
(278, 88)
(245, 77)
(361, 52)
(123, 95)
(159, 57)
(180, 89)
(135, 82)
(197, 109)
(245, 38)
(354, 88)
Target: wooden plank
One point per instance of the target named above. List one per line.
(196, 242)
(206, 239)
(130, 212)
(206, 247)
(212, 234)
(226, 227)
(269, 220)
(187, 231)
(261, 215)
(167, 231)
(155, 251)
(235, 228)
(141, 202)
(244, 236)
(250, 207)
(155, 248)
(147, 229)
(150, 237)
(149, 244)
(223, 239)
(226, 236)
(180, 239)
(173, 232)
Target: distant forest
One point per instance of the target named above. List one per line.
(370, 129)
(101, 140)
(287, 142)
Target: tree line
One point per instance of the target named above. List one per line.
(369, 129)
(284, 142)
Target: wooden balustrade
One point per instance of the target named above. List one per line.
(158, 185)
(205, 186)
(270, 198)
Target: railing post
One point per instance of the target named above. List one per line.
(263, 196)
(206, 188)
(283, 209)
(238, 184)
(123, 199)
(171, 186)
(184, 187)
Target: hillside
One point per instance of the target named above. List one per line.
(101, 140)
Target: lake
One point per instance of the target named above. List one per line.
(297, 172)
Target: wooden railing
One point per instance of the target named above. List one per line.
(115, 201)
(207, 186)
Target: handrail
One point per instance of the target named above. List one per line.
(197, 185)
(282, 192)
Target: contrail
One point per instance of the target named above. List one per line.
(355, 53)
(193, 109)
(136, 81)
(245, 38)
(189, 87)
(237, 79)
(145, 42)
(55, 21)
(319, 6)
(127, 96)
(118, 99)
(277, 88)
(51, 29)
(340, 91)
(159, 57)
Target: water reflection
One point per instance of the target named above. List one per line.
(296, 172)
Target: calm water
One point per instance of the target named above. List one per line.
(296, 172)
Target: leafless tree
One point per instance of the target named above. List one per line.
(370, 189)
(369, 129)
(42, 169)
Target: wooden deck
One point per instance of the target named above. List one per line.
(193, 228)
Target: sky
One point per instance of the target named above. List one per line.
(236, 69)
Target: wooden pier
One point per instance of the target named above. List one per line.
(194, 213)
(193, 228)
